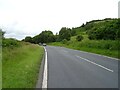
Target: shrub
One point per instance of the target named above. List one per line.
(10, 43)
(64, 41)
(107, 30)
(79, 38)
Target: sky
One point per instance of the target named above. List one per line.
(21, 18)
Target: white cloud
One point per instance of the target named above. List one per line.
(30, 17)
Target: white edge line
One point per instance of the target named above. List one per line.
(96, 64)
(44, 83)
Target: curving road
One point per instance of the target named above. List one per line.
(69, 68)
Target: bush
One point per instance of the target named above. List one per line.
(10, 43)
(107, 30)
(28, 39)
(64, 41)
(79, 38)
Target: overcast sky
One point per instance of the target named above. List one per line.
(20, 18)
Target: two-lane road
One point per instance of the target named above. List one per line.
(69, 68)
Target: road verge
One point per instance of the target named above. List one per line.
(42, 79)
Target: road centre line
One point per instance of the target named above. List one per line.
(99, 55)
(95, 64)
(96, 54)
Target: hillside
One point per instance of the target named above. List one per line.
(99, 36)
(107, 29)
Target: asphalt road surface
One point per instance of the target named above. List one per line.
(69, 68)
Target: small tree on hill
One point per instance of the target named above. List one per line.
(28, 39)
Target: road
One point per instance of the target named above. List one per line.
(69, 68)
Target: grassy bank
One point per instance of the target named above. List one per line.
(103, 47)
(21, 66)
(0, 67)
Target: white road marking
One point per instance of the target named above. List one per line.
(44, 83)
(99, 55)
(96, 64)
(95, 54)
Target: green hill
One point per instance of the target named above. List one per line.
(99, 36)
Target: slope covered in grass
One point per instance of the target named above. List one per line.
(103, 47)
(90, 47)
(21, 65)
(99, 36)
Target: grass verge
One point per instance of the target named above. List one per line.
(93, 47)
(0, 67)
(21, 65)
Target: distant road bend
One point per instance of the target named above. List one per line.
(69, 68)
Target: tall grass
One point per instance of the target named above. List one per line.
(0, 60)
(104, 47)
(21, 66)
(101, 44)
(0, 67)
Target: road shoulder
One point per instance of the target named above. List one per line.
(41, 71)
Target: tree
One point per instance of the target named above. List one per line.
(64, 33)
(28, 39)
(83, 25)
(47, 36)
(36, 39)
(44, 37)
(73, 32)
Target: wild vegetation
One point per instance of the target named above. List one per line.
(0, 59)
(48, 36)
(104, 47)
(107, 29)
(20, 63)
(21, 60)
(98, 36)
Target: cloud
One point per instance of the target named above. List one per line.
(14, 35)
(30, 17)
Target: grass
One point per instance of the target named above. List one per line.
(103, 47)
(21, 66)
(0, 67)
(0, 62)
